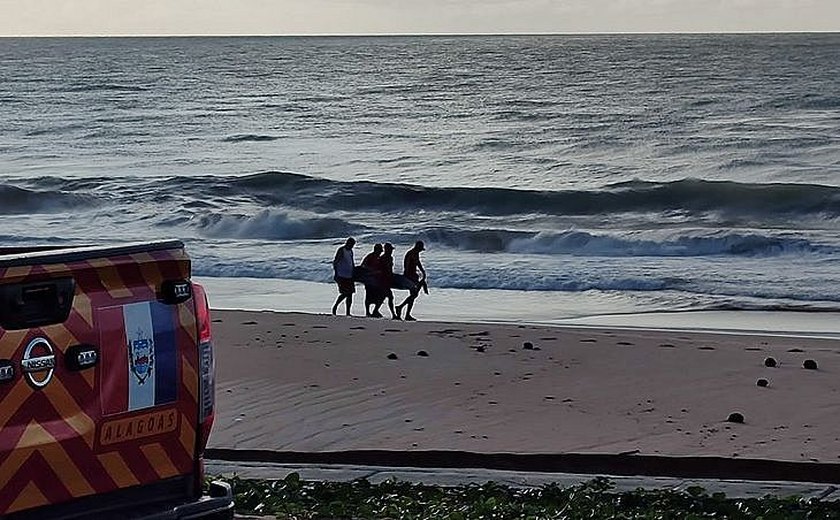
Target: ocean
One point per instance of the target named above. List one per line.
(605, 173)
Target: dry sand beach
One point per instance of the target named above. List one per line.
(318, 383)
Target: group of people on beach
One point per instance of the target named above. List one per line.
(376, 272)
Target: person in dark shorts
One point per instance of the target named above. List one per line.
(343, 265)
(414, 271)
(386, 272)
(374, 293)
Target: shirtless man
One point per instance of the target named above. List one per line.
(413, 270)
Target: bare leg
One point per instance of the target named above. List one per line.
(394, 315)
(337, 302)
(409, 304)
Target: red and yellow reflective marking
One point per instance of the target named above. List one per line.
(58, 451)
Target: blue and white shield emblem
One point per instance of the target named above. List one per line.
(141, 356)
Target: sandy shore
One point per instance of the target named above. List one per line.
(307, 382)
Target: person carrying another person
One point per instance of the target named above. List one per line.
(414, 271)
(374, 291)
(343, 265)
(386, 273)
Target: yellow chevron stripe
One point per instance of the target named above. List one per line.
(190, 378)
(36, 439)
(69, 410)
(187, 319)
(187, 437)
(14, 274)
(60, 336)
(29, 497)
(118, 469)
(10, 341)
(11, 465)
(110, 277)
(82, 305)
(148, 269)
(18, 395)
(56, 268)
(159, 460)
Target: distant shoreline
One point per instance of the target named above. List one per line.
(421, 35)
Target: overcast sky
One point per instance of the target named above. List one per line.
(153, 17)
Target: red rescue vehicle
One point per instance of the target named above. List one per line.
(106, 385)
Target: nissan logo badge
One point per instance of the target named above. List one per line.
(38, 363)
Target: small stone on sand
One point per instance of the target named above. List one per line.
(735, 417)
(392, 356)
(762, 383)
(809, 364)
(770, 362)
(422, 353)
(528, 345)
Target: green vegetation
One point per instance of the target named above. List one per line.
(293, 498)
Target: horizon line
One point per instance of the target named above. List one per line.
(417, 34)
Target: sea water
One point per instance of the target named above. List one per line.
(574, 174)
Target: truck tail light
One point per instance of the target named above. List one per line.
(206, 380)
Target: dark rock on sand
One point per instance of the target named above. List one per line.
(528, 345)
(770, 362)
(762, 383)
(392, 356)
(809, 364)
(735, 417)
(422, 353)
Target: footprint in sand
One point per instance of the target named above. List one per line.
(705, 347)
(549, 338)
(217, 321)
(667, 345)
(289, 324)
(795, 350)
(589, 340)
(319, 326)
(482, 333)
(250, 323)
(393, 330)
(357, 328)
(624, 343)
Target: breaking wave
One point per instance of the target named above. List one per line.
(585, 243)
(271, 225)
(688, 196)
(15, 200)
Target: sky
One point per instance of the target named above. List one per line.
(284, 17)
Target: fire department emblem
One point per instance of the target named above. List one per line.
(141, 356)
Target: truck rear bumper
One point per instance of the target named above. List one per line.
(165, 500)
(217, 505)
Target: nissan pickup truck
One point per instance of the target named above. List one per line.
(106, 385)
